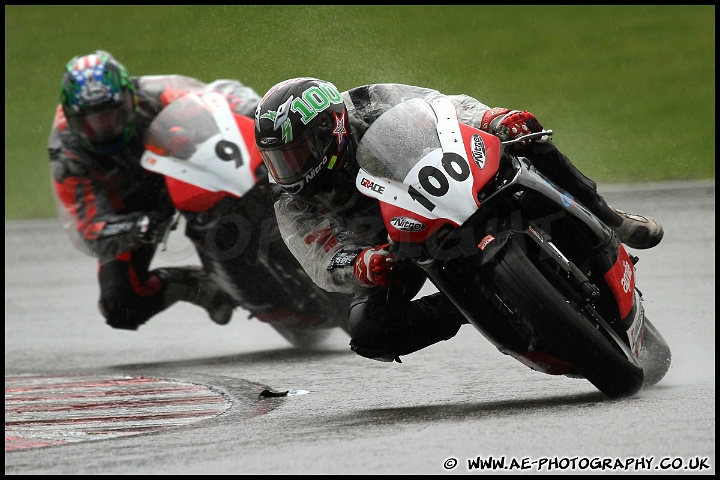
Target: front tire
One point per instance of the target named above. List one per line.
(655, 356)
(567, 332)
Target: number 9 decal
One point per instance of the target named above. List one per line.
(228, 151)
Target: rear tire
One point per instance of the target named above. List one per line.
(568, 332)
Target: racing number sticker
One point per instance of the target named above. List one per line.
(228, 151)
(434, 181)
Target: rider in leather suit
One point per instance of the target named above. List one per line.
(114, 209)
(308, 132)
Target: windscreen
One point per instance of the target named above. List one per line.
(398, 139)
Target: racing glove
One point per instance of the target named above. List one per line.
(373, 265)
(509, 124)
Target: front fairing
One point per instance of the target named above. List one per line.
(204, 150)
(425, 168)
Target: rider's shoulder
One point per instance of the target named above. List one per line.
(158, 83)
(68, 159)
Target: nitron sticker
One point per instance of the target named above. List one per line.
(406, 224)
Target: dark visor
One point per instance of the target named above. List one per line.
(106, 124)
(290, 164)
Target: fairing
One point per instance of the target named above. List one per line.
(200, 146)
(426, 173)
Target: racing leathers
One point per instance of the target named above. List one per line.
(328, 230)
(117, 211)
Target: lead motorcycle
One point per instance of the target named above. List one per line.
(485, 224)
(218, 184)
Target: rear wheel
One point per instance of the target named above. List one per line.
(569, 333)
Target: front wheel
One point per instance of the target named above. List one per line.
(568, 332)
(655, 356)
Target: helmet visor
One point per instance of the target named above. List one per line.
(106, 124)
(290, 163)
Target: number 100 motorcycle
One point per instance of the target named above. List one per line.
(485, 224)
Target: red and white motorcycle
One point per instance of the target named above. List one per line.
(218, 183)
(485, 224)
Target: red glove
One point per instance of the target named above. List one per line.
(373, 266)
(508, 124)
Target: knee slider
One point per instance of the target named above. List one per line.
(374, 353)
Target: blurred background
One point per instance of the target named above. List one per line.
(628, 90)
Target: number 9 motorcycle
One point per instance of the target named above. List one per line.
(218, 183)
(484, 223)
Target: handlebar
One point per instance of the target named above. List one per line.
(537, 136)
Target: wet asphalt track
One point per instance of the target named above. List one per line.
(181, 395)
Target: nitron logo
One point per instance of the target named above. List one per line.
(477, 149)
(407, 224)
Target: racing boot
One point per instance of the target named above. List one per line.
(194, 285)
(635, 231)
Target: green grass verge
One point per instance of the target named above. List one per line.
(628, 90)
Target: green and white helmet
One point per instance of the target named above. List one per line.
(301, 130)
